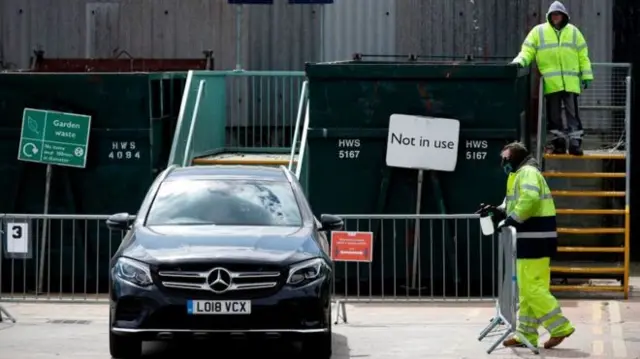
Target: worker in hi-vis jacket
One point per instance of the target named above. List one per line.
(562, 56)
(529, 208)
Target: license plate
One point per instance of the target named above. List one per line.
(219, 307)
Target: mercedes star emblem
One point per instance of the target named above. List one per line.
(219, 280)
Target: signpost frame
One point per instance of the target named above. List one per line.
(53, 138)
(359, 246)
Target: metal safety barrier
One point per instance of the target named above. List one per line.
(420, 258)
(61, 258)
(416, 258)
(507, 302)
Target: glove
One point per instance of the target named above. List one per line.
(507, 222)
(516, 64)
(586, 84)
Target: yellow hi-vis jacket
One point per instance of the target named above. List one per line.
(529, 203)
(562, 55)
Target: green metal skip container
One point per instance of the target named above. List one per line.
(133, 122)
(350, 107)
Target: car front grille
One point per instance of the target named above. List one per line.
(258, 279)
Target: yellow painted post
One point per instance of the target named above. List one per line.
(627, 225)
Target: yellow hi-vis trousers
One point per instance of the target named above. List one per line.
(537, 305)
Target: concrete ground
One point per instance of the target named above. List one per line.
(605, 329)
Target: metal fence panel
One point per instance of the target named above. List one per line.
(420, 258)
(262, 108)
(416, 258)
(68, 261)
(603, 108)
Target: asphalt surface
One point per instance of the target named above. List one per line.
(605, 329)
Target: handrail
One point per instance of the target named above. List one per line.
(186, 160)
(542, 131)
(181, 114)
(303, 142)
(301, 103)
(627, 200)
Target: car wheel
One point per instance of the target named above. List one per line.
(124, 347)
(317, 347)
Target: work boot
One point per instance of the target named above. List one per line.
(512, 343)
(557, 146)
(575, 147)
(555, 341)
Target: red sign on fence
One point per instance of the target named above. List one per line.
(352, 246)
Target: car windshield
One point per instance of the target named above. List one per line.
(225, 202)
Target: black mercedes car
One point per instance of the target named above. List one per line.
(222, 252)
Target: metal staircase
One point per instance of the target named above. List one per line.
(591, 192)
(261, 157)
(236, 118)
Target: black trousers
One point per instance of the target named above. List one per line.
(555, 126)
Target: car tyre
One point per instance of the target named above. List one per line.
(317, 347)
(124, 347)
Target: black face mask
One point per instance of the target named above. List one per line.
(507, 166)
(513, 162)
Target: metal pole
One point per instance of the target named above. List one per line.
(627, 199)
(45, 222)
(416, 233)
(187, 160)
(299, 116)
(303, 141)
(6, 314)
(238, 37)
(541, 136)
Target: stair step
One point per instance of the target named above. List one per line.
(587, 270)
(241, 162)
(591, 230)
(590, 211)
(591, 249)
(246, 159)
(588, 193)
(589, 156)
(559, 174)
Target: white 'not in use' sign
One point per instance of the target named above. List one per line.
(420, 142)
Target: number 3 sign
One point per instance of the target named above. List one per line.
(17, 237)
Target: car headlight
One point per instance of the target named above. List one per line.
(133, 272)
(308, 270)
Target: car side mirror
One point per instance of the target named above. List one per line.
(119, 221)
(330, 222)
